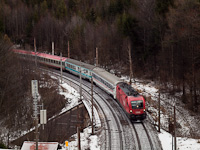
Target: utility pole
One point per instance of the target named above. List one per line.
(79, 141)
(68, 50)
(61, 66)
(92, 106)
(78, 129)
(35, 49)
(78, 119)
(174, 127)
(159, 111)
(80, 90)
(52, 48)
(36, 133)
(97, 57)
(130, 61)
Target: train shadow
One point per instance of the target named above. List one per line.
(136, 121)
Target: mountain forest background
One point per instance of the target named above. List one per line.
(164, 37)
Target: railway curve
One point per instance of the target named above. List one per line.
(117, 131)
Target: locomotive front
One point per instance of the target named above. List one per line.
(136, 107)
(132, 103)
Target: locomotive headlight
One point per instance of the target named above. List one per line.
(131, 111)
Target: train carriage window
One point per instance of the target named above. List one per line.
(74, 67)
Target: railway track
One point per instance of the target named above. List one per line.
(117, 131)
(143, 137)
(112, 139)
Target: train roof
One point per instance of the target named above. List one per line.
(106, 75)
(43, 55)
(128, 90)
(54, 57)
(23, 52)
(82, 64)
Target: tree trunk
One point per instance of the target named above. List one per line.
(130, 62)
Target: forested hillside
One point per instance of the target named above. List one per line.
(16, 105)
(164, 35)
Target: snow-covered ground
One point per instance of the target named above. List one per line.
(182, 143)
(188, 124)
(89, 141)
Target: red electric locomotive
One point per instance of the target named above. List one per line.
(132, 103)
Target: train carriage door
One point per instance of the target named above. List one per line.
(127, 105)
(118, 93)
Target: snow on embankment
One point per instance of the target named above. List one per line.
(187, 123)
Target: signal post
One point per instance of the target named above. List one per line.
(34, 87)
(43, 115)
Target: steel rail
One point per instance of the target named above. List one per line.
(108, 132)
(137, 136)
(147, 133)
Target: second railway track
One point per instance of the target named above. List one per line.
(118, 132)
(143, 137)
(112, 139)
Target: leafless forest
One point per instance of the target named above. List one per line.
(164, 36)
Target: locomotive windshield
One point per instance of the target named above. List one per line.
(137, 104)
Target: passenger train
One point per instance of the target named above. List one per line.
(132, 103)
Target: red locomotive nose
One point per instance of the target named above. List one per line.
(132, 103)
